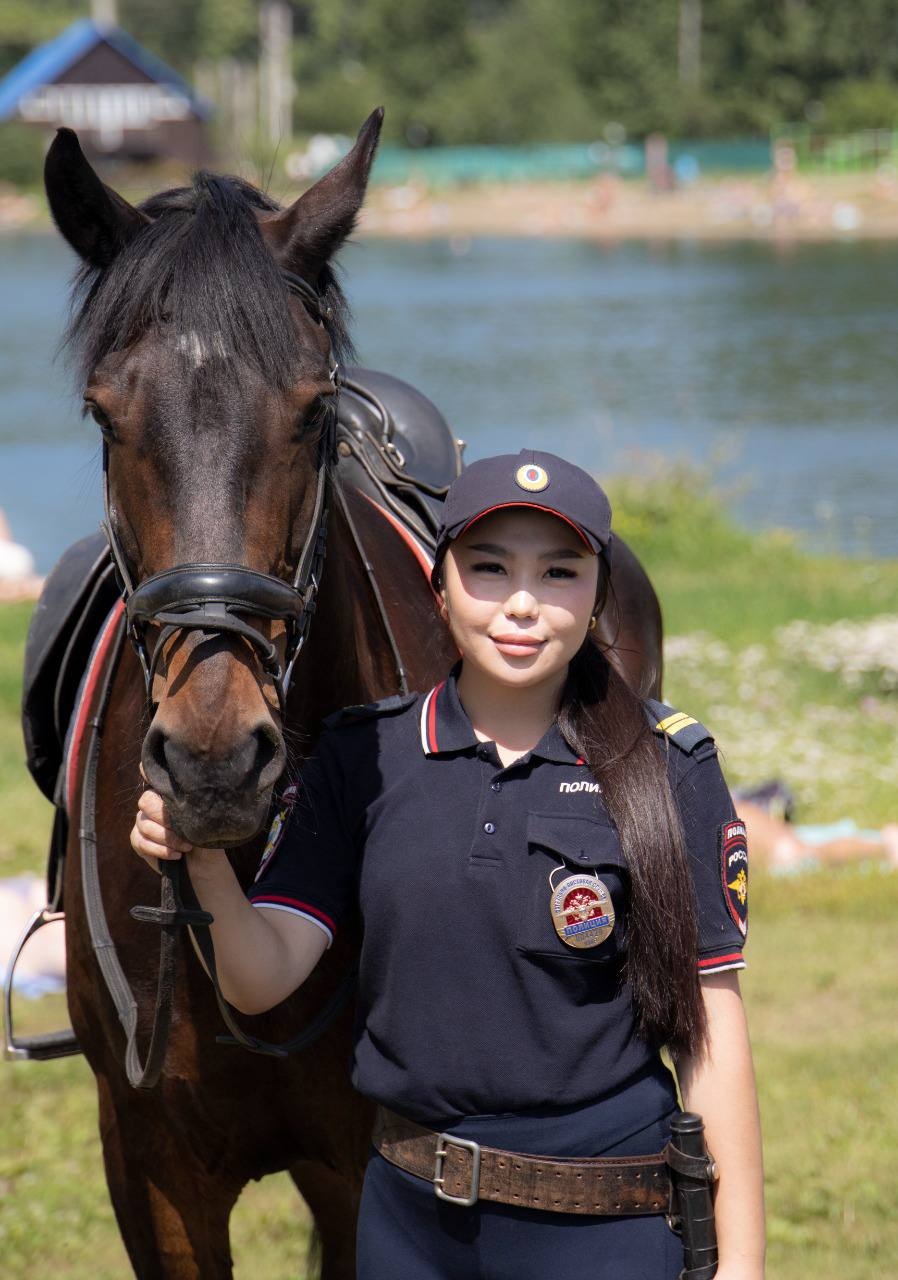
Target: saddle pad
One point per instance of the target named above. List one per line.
(91, 678)
(75, 600)
(422, 553)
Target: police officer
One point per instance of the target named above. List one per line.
(553, 882)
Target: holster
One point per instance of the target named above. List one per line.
(692, 1175)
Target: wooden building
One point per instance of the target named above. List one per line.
(122, 100)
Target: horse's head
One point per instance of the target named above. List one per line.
(210, 382)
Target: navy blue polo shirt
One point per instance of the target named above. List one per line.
(469, 1002)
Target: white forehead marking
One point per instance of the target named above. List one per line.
(191, 345)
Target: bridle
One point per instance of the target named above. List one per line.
(214, 597)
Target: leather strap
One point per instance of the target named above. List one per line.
(466, 1172)
(142, 1074)
(375, 591)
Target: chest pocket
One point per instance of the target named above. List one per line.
(568, 845)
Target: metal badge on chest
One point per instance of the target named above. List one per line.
(582, 910)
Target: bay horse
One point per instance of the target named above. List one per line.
(209, 380)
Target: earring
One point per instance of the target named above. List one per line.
(592, 622)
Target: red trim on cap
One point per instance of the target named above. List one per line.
(536, 506)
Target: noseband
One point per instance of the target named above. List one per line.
(216, 597)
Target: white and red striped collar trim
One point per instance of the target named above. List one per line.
(444, 726)
(429, 721)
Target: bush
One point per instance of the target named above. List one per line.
(21, 155)
(861, 104)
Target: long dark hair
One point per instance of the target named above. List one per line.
(605, 721)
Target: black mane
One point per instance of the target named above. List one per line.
(201, 267)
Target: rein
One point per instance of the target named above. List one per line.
(213, 598)
(142, 1075)
(172, 914)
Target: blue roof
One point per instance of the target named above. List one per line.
(47, 62)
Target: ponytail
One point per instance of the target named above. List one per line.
(604, 720)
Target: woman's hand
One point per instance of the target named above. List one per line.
(151, 836)
(261, 956)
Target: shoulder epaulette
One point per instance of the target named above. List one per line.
(683, 730)
(369, 710)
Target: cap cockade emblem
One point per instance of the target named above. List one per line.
(531, 477)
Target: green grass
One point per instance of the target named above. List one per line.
(821, 989)
(55, 1214)
(26, 816)
(726, 595)
(822, 981)
(712, 575)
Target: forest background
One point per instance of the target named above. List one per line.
(516, 71)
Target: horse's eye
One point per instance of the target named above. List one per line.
(313, 419)
(99, 417)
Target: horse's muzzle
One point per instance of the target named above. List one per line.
(215, 801)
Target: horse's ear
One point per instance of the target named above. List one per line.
(304, 236)
(94, 219)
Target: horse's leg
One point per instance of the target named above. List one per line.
(172, 1213)
(334, 1204)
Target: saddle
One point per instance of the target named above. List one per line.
(393, 445)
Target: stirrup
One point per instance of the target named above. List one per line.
(40, 1048)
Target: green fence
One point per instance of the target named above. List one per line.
(817, 152)
(450, 166)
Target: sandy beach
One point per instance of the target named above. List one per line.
(780, 207)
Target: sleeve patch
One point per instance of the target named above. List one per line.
(276, 830)
(734, 871)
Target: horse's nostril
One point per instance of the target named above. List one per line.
(269, 755)
(155, 764)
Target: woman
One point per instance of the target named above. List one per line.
(542, 878)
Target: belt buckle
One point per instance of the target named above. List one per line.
(445, 1140)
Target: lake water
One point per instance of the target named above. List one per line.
(774, 367)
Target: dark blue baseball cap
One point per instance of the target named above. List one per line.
(530, 478)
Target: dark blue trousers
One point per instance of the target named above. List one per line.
(406, 1233)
